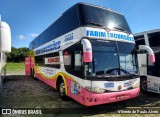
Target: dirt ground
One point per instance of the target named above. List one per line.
(20, 91)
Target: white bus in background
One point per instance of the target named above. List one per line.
(5, 47)
(150, 72)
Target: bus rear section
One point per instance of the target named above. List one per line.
(94, 61)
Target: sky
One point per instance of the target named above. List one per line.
(28, 18)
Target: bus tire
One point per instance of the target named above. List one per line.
(61, 89)
(143, 84)
(32, 74)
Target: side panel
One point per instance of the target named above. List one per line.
(29, 63)
(47, 75)
(153, 84)
(2, 69)
(2, 76)
(142, 63)
(5, 37)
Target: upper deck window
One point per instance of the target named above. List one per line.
(70, 20)
(154, 39)
(95, 16)
(139, 40)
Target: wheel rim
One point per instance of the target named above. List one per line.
(62, 89)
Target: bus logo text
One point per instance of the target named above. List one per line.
(102, 34)
(48, 48)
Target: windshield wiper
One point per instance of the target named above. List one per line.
(123, 30)
(97, 24)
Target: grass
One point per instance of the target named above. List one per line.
(15, 68)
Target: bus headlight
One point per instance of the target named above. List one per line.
(135, 85)
(95, 89)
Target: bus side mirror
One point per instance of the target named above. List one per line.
(150, 52)
(5, 37)
(87, 50)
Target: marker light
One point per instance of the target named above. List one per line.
(135, 85)
(95, 89)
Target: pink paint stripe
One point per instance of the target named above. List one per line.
(152, 58)
(87, 56)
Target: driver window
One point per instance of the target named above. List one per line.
(78, 61)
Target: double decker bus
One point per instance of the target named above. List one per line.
(150, 72)
(5, 47)
(88, 54)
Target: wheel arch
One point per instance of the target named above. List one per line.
(59, 79)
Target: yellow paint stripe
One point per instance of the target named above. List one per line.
(64, 75)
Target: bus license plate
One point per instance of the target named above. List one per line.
(120, 97)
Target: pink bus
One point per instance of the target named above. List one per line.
(88, 54)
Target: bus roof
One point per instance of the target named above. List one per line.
(39, 41)
(92, 6)
(149, 31)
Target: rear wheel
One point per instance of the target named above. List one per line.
(32, 73)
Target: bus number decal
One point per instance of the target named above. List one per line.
(109, 85)
(68, 37)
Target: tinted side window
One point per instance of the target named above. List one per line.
(70, 20)
(31, 46)
(73, 60)
(35, 43)
(45, 36)
(95, 16)
(139, 40)
(153, 70)
(56, 29)
(48, 60)
(49, 34)
(154, 39)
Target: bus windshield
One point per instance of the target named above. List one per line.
(112, 58)
(90, 15)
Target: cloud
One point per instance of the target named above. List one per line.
(33, 35)
(28, 36)
(22, 37)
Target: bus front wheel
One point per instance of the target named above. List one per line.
(143, 84)
(62, 90)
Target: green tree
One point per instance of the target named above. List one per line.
(17, 54)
